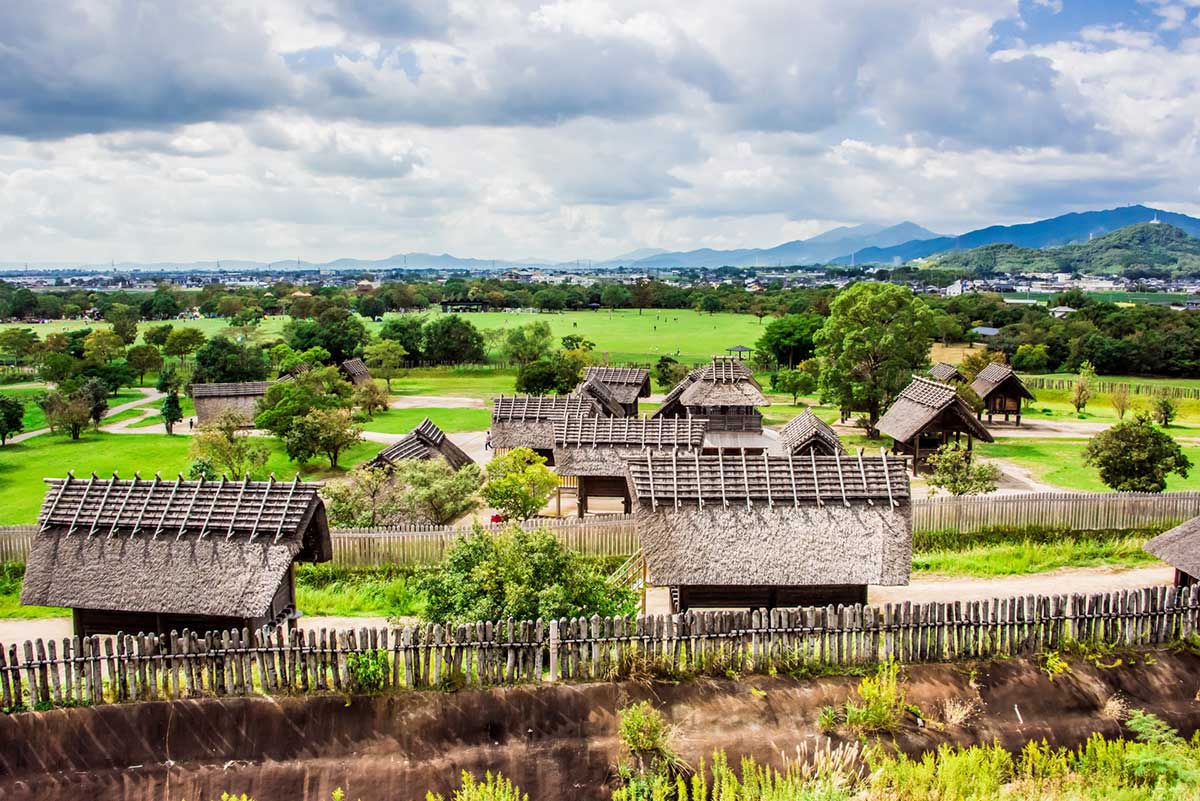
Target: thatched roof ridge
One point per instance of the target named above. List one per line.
(356, 370)
(722, 382)
(231, 390)
(773, 480)
(626, 384)
(807, 431)
(920, 403)
(671, 407)
(995, 376)
(728, 370)
(642, 432)
(541, 407)
(945, 373)
(603, 396)
(188, 547)
(426, 441)
(1179, 547)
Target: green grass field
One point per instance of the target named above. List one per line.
(1110, 296)
(1060, 462)
(401, 421)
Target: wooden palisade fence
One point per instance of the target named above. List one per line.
(616, 535)
(99, 670)
(1176, 391)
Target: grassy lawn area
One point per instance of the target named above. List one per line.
(386, 591)
(25, 464)
(469, 382)
(1023, 558)
(1060, 462)
(185, 404)
(401, 421)
(1054, 404)
(34, 418)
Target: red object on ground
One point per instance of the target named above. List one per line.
(497, 518)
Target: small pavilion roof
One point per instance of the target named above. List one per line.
(995, 376)
(920, 404)
(807, 431)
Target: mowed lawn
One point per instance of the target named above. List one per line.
(1060, 462)
(23, 465)
(401, 421)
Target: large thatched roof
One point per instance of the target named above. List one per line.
(921, 404)
(812, 520)
(807, 432)
(238, 390)
(1179, 547)
(426, 441)
(215, 548)
(627, 384)
(600, 392)
(600, 446)
(996, 376)
(723, 382)
(945, 373)
(527, 421)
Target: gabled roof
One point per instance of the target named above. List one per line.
(181, 547)
(636, 432)
(541, 407)
(237, 390)
(426, 441)
(996, 375)
(807, 432)
(723, 382)
(920, 403)
(772, 480)
(356, 370)
(1179, 547)
(603, 396)
(627, 384)
(945, 373)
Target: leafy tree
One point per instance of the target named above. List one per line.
(12, 414)
(322, 431)
(18, 343)
(710, 303)
(667, 372)
(221, 360)
(1165, 410)
(560, 372)
(248, 317)
(974, 362)
(615, 296)
(876, 337)
(368, 496)
(227, 447)
(1081, 392)
(794, 383)
(142, 359)
(550, 299)
(434, 492)
(528, 343)
(335, 329)
(519, 574)
(370, 398)
(183, 342)
(162, 305)
(95, 393)
(519, 484)
(288, 401)
(1120, 400)
(169, 379)
(156, 335)
(287, 360)
(172, 412)
(790, 338)
(229, 305)
(953, 471)
(453, 340)
(409, 331)
(1031, 358)
(70, 413)
(124, 322)
(1136, 456)
(103, 346)
(578, 342)
(385, 358)
(58, 367)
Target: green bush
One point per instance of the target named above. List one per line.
(390, 591)
(492, 788)
(519, 574)
(368, 671)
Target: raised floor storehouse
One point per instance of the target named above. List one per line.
(154, 555)
(212, 399)
(426, 441)
(626, 384)
(772, 531)
(1001, 391)
(927, 415)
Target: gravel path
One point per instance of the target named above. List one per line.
(148, 396)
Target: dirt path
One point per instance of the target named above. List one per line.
(148, 396)
(436, 402)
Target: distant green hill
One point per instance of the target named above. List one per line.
(1135, 250)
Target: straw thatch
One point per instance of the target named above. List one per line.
(945, 373)
(724, 382)
(626, 384)
(599, 446)
(212, 399)
(1179, 547)
(527, 421)
(1000, 378)
(356, 370)
(239, 390)
(598, 391)
(924, 404)
(808, 433)
(820, 520)
(426, 441)
(176, 547)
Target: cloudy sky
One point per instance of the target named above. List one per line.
(279, 129)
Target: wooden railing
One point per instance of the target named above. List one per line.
(95, 670)
(616, 535)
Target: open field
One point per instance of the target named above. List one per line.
(1060, 462)
(401, 421)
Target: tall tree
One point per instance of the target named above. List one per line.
(322, 431)
(124, 322)
(335, 329)
(1136, 456)
(222, 360)
(385, 358)
(431, 491)
(453, 340)
(156, 335)
(142, 359)
(519, 484)
(183, 342)
(172, 412)
(528, 343)
(228, 447)
(876, 337)
(288, 401)
(790, 338)
(12, 414)
(103, 346)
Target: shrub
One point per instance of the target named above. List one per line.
(367, 671)
(881, 702)
(493, 788)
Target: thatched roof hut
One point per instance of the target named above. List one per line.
(151, 555)
(724, 392)
(527, 421)
(808, 433)
(356, 371)
(426, 441)
(945, 373)
(1180, 548)
(772, 530)
(598, 391)
(927, 415)
(242, 397)
(627, 384)
(1001, 390)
